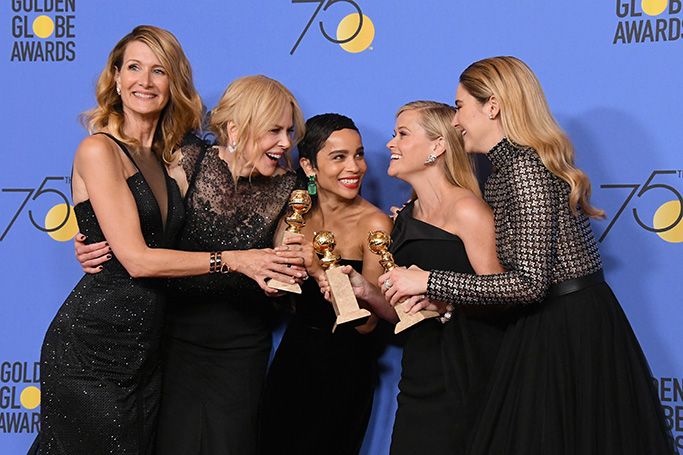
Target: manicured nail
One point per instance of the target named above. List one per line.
(109, 256)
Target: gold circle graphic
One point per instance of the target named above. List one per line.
(664, 216)
(43, 26)
(55, 217)
(654, 7)
(348, 26)
(30, 397)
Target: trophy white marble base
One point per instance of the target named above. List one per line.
(407, 320)
(288, 287)
(343, 299)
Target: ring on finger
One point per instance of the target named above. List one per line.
(388, 284)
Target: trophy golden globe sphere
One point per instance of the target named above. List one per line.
(300, 201)
(324, 243)
(378, 241)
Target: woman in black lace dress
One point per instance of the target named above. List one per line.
(320, 385)
(100, 361)
(570, 377)
(219, 331)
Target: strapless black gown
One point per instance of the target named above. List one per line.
(320, 386)
(445, 368)
(100, 361)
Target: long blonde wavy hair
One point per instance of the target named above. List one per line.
(457, 165)
(527, 121)
(181, 114)
(254, 104)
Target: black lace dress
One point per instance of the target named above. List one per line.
(445, 368)
(219, 326)
(570, 377)
(320, 386)
(100, 361)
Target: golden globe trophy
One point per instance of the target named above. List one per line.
(300, 203)
(379, 242)
(343, 299)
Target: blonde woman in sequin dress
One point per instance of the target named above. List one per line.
(570, 377)
(100, 360)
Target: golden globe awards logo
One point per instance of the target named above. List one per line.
(670, 391)
(648, 21)
(43, 31)
(19, 397)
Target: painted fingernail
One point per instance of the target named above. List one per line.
(101, 267)
(109, 256)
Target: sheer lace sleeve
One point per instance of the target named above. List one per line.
(523, 195)
(191, 149)
(222, 215)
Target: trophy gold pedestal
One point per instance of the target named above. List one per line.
(343, 299)
(379, 242)
(300, 203)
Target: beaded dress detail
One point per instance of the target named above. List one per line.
(100, 361)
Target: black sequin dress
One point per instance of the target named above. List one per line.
(570, 377)
(320, 385)
(445, 368)
(100, 361)
(219, 326)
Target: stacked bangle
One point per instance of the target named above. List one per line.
(216, 264)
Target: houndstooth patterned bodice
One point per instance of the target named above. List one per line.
(538, 239)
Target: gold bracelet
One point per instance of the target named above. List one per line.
(212, 262)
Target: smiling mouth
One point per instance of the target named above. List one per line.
(395, 157)
(350, 182)
(274, 156)
(144, 96)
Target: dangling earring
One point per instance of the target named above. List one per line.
(232, 148)
(118, 89)
(490, 116)
(431, 159)
(312, 187)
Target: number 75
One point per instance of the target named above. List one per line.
(648, 186)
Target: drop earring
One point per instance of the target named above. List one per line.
(312, 186)
(118, 89)
(232, 148)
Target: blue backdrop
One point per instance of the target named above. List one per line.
(611, 71)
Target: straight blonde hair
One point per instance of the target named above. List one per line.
(528, 122)
(254, 104)
(182, 113)
(457, 165)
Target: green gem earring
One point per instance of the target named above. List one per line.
(312, 187)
